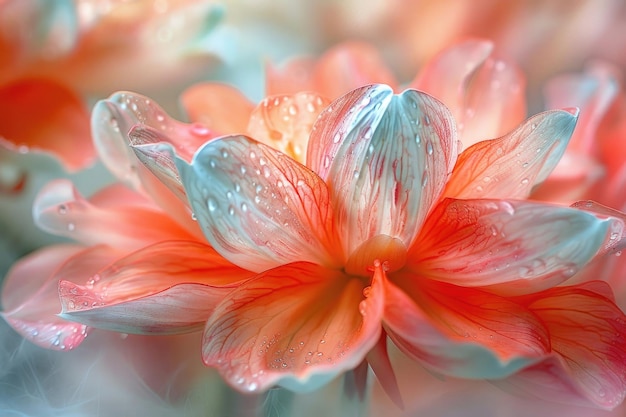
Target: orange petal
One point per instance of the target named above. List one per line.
(294, 76)
(258, 207)
(41, 115)
(588, 337)
(299, 326)
(285, 122)
(221, 108)
(348, 66)
(385, 158)
(510, 166)
(61, 210)
(30, 297)
(512, 246)
(169, 287)
(461, 331)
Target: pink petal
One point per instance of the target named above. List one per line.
(298, 326)
(512, 246)
(588, 337)
(30, 296)
(112, 120)
(460, 331)
(221, 108)
(169, 287)
(593, 92)
(510, 166)
(486, 95)
(285, 122)
(42, 115)
(385, 158)
(61, 210)
(258, 207)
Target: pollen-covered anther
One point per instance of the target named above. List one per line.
(379, 251)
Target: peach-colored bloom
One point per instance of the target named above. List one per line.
(382, 225)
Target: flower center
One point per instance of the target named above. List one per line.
(389, 250)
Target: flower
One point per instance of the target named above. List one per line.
(383, 228)
(56, 58)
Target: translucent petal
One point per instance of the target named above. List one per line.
(485, 94)
(111, 122)
(116, 220)
(285, 122)
(30, 297)
(385, 158)
(459, 331)
(588, 337)
(258, 207)
(513, 247)
(510, 166)
(169, 287)
(299, 326)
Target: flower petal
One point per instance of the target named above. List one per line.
(169, 287)
(285, 122)
(258, 207)
(385, 158)
(485, 95)
(30, 297)
(221, 108)
(292, 77)
(593, 92)
(348, 66)
(298, 326)
(588, 336)
(113, 119)
(460, 331)
(510, 166)
(61, 210)
(512, 246)
(44, 116)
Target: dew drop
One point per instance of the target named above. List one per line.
(71, 227)
(337, 137)
(114, 124)
(242, 169)
(212, 204)
(326, 161)
(525, 181)
(293, 110)
(429, 147)
(62, 209)
(418, 139)
(231, 210)
(310, 107)
(244, 207)
(618, 253)
(199, 129)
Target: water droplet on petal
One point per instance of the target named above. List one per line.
(71, 227)
(199, 129)
(62, 209)
(212, 204)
